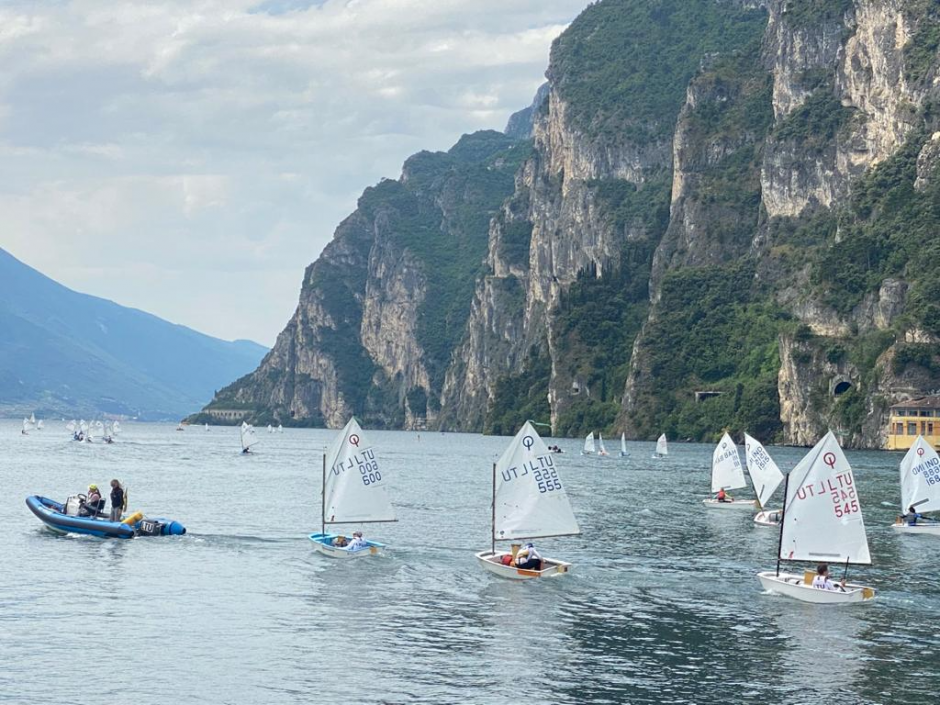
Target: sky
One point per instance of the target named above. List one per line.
(191, 158)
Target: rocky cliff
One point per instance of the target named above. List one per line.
(724, 196)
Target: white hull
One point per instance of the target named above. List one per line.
(931, 529)
(550, 567)
(734, 504)
(768, 517)
(323, 544)
(793, 586)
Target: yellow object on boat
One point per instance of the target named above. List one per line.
(133, 518)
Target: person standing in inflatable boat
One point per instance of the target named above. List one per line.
(117, 500)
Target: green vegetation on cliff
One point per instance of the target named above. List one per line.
(623, 66)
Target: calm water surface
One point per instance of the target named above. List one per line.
(663, 604)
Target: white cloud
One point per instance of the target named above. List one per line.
(167, 153)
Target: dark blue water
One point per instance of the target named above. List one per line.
(662, 605)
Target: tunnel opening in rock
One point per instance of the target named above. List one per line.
(841, 388)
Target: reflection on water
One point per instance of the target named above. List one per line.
(662, 606)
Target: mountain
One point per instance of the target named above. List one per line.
(68, 354)
(719, 214)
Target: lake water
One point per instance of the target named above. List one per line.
(662, 606)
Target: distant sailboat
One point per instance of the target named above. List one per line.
(280, 428)
(589, 444)
(822, 521)
(248, 437)
(40, 425)
(26, 427)
(270, 428)
(179, 426)
(71, 426)
(353, 492)
(920, 489)
(602, 450)
(766, 478)
(727, 474)
(662, 448)
(623, 445)
(116, 428)
(529, 502)
(207, 427)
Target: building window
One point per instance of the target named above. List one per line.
(899, 428)
(930, 428)
(911, 428)
(923, 428)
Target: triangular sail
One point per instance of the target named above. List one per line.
(116, 427)
(662, 448)
(248, 436)
(727, 472)
(764, 472)
(589, 443)
(601, 443)
(623, 443)
(920, 478)
(530, 500)
(822, 521)
(355, 490)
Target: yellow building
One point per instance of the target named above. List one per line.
(910, 419)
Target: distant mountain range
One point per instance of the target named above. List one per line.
(63, 353)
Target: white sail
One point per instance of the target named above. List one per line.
(99, 427)
(530, 500)
(355, 489)
(116, 427)
(70, 426)
(32, 419)
(25, 425)
(40, 425)
(207, 427)
(662, 448)
(822, 520)
(589, 443)
(623, 444)
(248, 435)
(764, 472)
(920, 478)
(727, 472)
(270, 428)
(83, 426)
(280, 428)
(603, 450)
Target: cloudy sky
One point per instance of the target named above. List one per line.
(191, 158)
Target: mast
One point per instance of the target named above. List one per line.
(323, 499)
(493, 514)
(783, 513)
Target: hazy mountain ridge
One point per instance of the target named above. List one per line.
(733, 197)
(67, 353)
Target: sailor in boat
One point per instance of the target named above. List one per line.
(528, 558)
(117, 500)
(340, 542)
(724, 496)
(358, 543)
(92, 504)
(822, 581)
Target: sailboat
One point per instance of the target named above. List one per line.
(116, 428)
(40, 425)
(26, 427)
(32, 420)
(623, 445)
(280, 428)
(766, 477)
(207, 427)
(603, 450)
(529, 502)
(353, 492)
(270, 428)
(920, 489)
(248, 437)
(71, 426)
(662, 448)
(822, 521)
(727, 474)
(588, 444)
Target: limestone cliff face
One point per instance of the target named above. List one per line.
(708, 195)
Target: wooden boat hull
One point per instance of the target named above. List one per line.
(323, 543)
(734, 504)
(793, 586)
(768, 517)
(928, 528)
(550, 567)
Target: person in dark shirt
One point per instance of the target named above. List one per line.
(117, 500)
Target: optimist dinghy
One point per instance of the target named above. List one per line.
(602, 450)
(529, 502)
(822, 522)
(353, 492)
(727, 474)
(766, 477)
(920, 490)
(247, 437)
(623, 445)
(588, 444)
(662, 447)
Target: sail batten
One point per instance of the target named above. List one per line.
(764, 472)
(920, 478)
(355, 489)
(727, 471)
(823, 517)
(530, 500)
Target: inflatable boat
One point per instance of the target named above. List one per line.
(66, 519)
